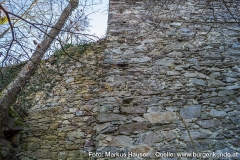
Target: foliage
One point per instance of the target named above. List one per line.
(71, 49)
(3, 20)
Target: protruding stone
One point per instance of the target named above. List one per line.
(211, 123)
(133, 110)
(162, 117)
(190, 112)
(165, 62)
(216, 113)
(132, 127)
(199, 82)
(70, 80)
(110, 117)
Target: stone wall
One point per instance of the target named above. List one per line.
(61, 119)
(174, 76)
(168, 81)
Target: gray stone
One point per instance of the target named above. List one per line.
(132, 127)
(185, 30)
(233, 113)
(108, 129)
(144, 149)
(138, 119)
(215, 75)
(173, 73)
(229, 79)
(236, 69)
(79, 113)
(175, 24)
(212, 123)
(165, 62)
(190, 112)
(105, 108)
(233, 87)
(201, 75)
(162, 117)
(225, 93)
(175, 54)
(235, 120)
(195, 135)
(149, 138)
(118, 141)
(169, 135)
(133, 110)
(141, 60)
(236, 46)
(216, 113)
(198, 82)
(215, 83)
(190, 75)
(144, 93)
(110, 117)
(70, 80)
(155, 109)
(219, 100)
(62, 155)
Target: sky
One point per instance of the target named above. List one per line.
(98, 20)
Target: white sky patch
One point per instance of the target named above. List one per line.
(98, 20)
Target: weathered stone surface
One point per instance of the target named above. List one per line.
(215, 83)
(173, 73)
(54, 126)
(216, 113)
(165, 62)
(141, 60)
(144, 149)
(212, 123)
(169, 135)
(126, 97)
(162, 117)
(175, 54)
(143, 92)
(44, 154)
(233, 87)
(133, 110)
(110, 117)
(75, 134)
(138, 119)
(70, 80)
(199, 82)
(118, 141)
(225, 92)
(132, 127)
(235, 120)
(72, 147)
(190, 112)
(150, 138)
(195, 135)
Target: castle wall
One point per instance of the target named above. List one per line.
(168, 81)
(174, 78)
(63, 105)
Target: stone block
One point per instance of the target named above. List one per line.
(161, 117)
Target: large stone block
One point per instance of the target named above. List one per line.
(161, 117)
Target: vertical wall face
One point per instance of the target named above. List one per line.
(168, 82)
(170, 69)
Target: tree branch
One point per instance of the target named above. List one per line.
(8, 95)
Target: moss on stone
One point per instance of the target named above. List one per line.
(18, 120)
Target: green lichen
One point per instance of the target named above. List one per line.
(18, 120)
